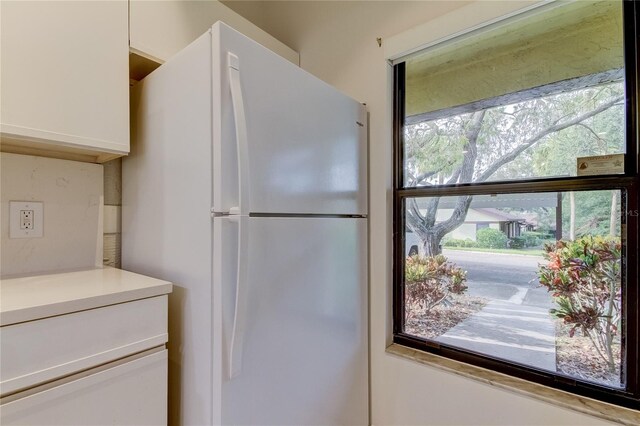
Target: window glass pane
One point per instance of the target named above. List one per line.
(534, 279)
(540, 137)
(523, 100)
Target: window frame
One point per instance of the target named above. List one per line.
(629, 396)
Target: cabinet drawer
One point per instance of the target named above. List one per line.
(130, 393)
(46, 349)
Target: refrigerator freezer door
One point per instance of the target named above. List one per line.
(306, 141)
(304, 321)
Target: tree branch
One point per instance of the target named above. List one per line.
(590, 130)
(432, 210)
(533, 140)
(454, 177)
(457, 217)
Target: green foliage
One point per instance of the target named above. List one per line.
(598, 135)
(584, 278)
(533, 239)
(491, 238)
(429, 281)
(593, 213)
(454, 242)
(517, 242)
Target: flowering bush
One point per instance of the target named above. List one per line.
(429, 281)
(584, 277)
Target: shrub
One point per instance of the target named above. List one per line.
(533, 239)
(469, 243)
(517, 242)
(429, 281)
(584, 277)
(453, 242)
(491, 238)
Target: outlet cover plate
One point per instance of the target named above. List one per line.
(15, 207)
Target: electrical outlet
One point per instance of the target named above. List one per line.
(26, 219)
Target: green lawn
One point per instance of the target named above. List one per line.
(527, 252)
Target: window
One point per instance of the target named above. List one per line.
(516, 199)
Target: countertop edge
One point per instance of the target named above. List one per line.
(34, 313)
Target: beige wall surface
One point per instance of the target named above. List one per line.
(161, 28)
(112, 212)
(337, 42)
(72, 195)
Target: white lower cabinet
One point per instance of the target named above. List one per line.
(36, 352)
(105, 365)
(129, 392)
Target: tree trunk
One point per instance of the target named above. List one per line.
(572, 216)
(613, 219)
(429, 245)
(559, 217)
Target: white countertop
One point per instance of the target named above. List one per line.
(31, 298)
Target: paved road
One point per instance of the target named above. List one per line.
(499, 276)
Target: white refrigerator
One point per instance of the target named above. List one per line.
(246, 187)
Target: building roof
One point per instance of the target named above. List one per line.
(500, 215)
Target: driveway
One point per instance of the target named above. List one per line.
(515, 325)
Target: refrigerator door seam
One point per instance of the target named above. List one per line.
(309, 215)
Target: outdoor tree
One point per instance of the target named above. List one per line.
(595, 212)
(522, 140)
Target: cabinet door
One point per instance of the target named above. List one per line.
(65, 75)
(159, 29)
(131, 393)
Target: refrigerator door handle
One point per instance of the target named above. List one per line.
(240, 313)
(242, 144)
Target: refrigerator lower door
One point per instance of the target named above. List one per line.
(294, 331)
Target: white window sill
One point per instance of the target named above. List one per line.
(556, 397)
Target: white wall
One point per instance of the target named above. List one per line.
(72, 195)
(337, 42)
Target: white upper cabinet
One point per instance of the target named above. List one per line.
(160, 29)
(64, 80)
